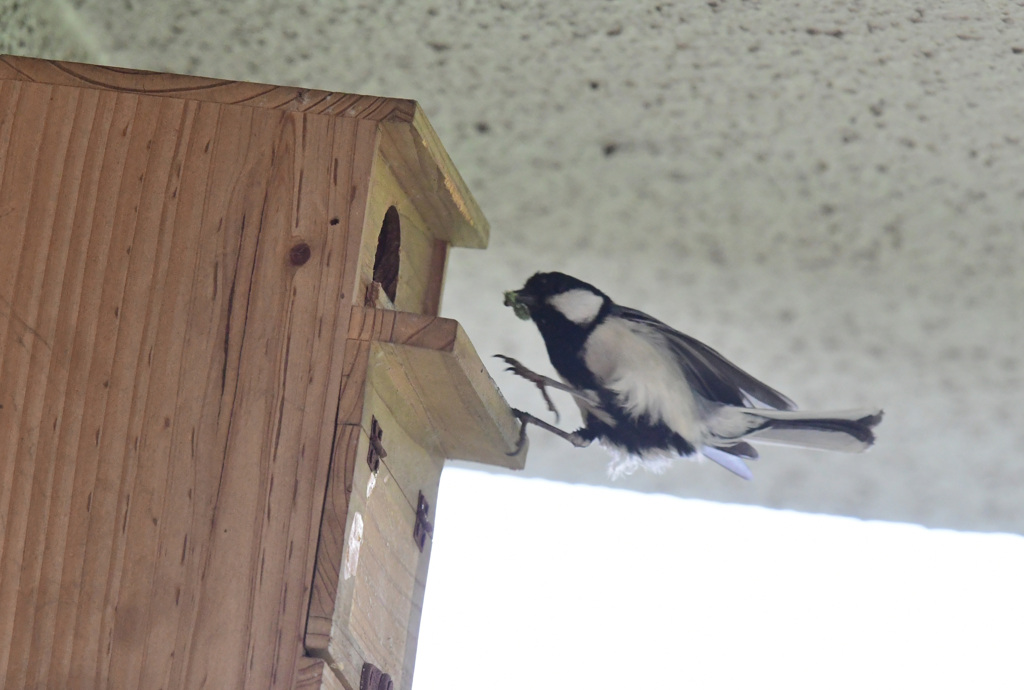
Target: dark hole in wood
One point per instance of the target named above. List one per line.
(385, 262)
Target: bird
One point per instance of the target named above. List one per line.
(652, 394)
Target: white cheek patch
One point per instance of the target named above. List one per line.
(579, 306)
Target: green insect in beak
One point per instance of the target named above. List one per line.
(521, 310)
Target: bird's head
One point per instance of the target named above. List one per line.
(548, 296)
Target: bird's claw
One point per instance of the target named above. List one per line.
(525, 418)
(522, 433)
(517, 368)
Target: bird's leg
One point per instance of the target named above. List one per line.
(543, 382)
(525, 418)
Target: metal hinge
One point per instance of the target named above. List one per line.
(372, 678)
(423, 526)
(376, 452)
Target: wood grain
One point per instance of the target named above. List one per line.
(314, 674)
(184, 407)
(161, 478)
(416, 291)
(224, 91)
(420, 378)
(371, 613)
(410, 146)
(424, 171)
(437, 378)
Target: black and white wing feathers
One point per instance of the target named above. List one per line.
(710, 374)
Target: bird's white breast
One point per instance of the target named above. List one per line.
(633, 361)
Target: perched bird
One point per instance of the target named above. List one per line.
(652, 393)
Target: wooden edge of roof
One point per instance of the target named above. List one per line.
(412, 147)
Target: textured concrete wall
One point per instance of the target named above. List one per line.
(44, 28)
(830, 193)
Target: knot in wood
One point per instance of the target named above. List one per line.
(300, 254)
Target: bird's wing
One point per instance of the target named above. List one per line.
(710, 374)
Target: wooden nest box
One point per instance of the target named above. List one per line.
(225, 393)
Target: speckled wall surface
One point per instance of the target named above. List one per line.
(830, 193)
(47, 28)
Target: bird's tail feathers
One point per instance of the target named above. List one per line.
(729, 460)
(849, 431)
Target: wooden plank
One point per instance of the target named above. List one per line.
(384, 584)
(259, 456)
(65, 265)
(415, 471)
(23, 130)
(370, 570)
(422, 166)
(106, 247)
(183, 408)
(349, 445)
(426, 174)
(440, 379)
(139, 327)
(412, 477)
(315, 674)
(163, 581)
(72, 346)
(416, 289)
(398, 366)
(185, 381)
(224, 91)
(436, 276)
(350, 172)
(28, 348)
(222, 157)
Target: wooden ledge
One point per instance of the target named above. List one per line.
(427, 364)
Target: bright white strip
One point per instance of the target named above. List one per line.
(537, 584)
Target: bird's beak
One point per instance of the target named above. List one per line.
(520, 303)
